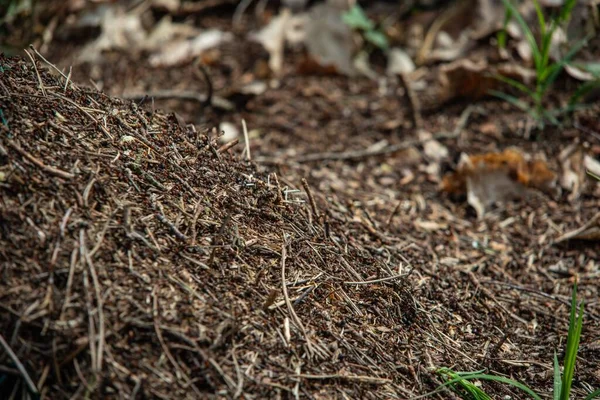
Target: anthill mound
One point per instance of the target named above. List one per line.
(138, 259)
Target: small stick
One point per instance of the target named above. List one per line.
(37, 73)
(415, 104)
(172, 226)
(463, 119)
(178, 371)
(388, 278)
(91, 324)
(279, 195)
(209, 87)
(19, 365)
(85, 255)
(246, 139)
(240, 375)
(201, 98)
(136, 388)
(194, 221)
(311, 199)
(69, 284)
(239, 12)
(37, 53)
(68, 79)
(228, 146)
(54, 171)
(288, 303)
(394, 211)
(359, 378)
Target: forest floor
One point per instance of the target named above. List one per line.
(142, 256)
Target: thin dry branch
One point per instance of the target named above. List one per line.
(415, 104)
(288, 303)
(51, 170)
(19, 365)
(216, 101)
(311, 199)
(358, 378)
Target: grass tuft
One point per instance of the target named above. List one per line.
(546, 71)
(463, 383)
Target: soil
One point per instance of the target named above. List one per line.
(140, 259)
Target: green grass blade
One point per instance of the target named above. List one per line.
(546, 44)
(569, 109)
(582, 90)
(540, 16)
(504, 380)
(575, 325)
(520, 104)
(557, 379)
(592, 395)
(475, 392)
(550, 115)
(502, 34)
(514, 83)
(537, 56)
(454, 378)
(550, 74)
(565, 11)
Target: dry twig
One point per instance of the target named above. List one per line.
(51, 170)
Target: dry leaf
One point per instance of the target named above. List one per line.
(591, 165)
(329, 40)
(169, 5)
(166, 31)
(495, 177)
(449, 49)
(465, 78)
(119, 30)
(578, 73)
(272, 37)
(490, 14)
(516, 72)
(475, 79)
(283, 28)
(399, 62)
(178, 52)
(435, 151)
(573, 174)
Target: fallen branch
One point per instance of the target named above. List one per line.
(201, 98)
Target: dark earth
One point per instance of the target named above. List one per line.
(142, 258)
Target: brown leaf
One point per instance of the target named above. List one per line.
(495, 177)
(465, 79)
(573, 173)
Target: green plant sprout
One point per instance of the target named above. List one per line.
(546, 71)
(462, 384)
(356, 19)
